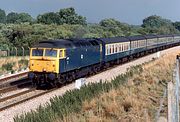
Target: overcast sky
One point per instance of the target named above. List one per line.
(129, 11)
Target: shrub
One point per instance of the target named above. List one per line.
(7, 67)
(23, 62)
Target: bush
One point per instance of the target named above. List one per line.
(23, 62)
(7, 67)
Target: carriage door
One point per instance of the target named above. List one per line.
(101, 55)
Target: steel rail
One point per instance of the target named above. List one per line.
(24, 74)
(15, 87)
(26, 99)
(16, 95)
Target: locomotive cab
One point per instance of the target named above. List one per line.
(44, 63)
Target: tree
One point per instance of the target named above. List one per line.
(110, 23)
(49, 18)
(18, 18)
(2, 16)
(64, 16)
(24, 17)
(177, 25)
(69, 16)
(155, 21)
(158, 25)
(12, 17)
(115, 27)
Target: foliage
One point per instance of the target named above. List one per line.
(22, 30)
(2, 16)
(158, 25)
(49, 18)
(64, 16)
(69, 16)
(23, 62)
(177, 25)
(115, 27)
(7, 67)
(155, 22)
(18, 18)
(72, 100)
(24, 17)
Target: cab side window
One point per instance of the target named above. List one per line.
(61, 54)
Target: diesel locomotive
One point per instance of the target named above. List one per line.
(64, 60)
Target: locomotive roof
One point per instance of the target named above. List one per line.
(66, 43)
(58, 43)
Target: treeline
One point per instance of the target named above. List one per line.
(64, 16)
(20, 29)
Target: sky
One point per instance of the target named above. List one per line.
(128, 11)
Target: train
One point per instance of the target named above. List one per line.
(60, 61)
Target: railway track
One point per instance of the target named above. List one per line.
(15, 82)
(13, 77)
(15, 99)
(10, 88)
(19, 94)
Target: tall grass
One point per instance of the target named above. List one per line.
(13, 63)
(71, 101)
(136, 100)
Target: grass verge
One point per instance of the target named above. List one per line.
(12, 64)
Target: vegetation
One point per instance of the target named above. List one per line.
(20, 29)
(2, 16)
(12, 64)
(7, 67)
(137, 100)
(18, 18)
(71, 101)
(157, 24)
(64, 16)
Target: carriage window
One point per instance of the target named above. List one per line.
(37, 52)
(113, 49)
(132, 44)
(116, 49)
(109, 49)
(125, 46)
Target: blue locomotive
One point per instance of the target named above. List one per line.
(63, 60)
